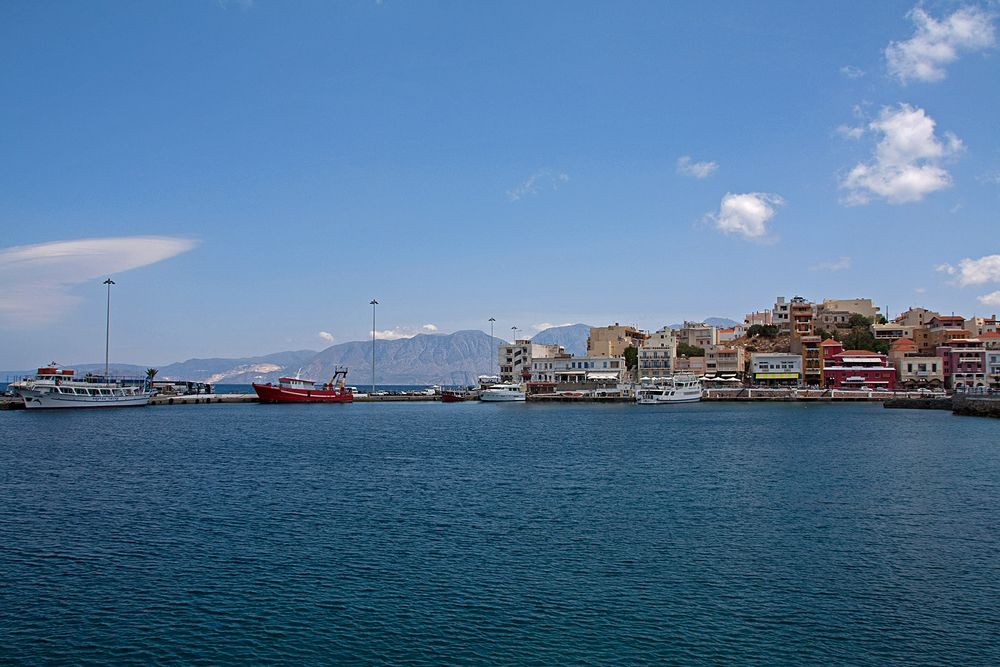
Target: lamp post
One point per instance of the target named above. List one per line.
(514, 329)
(493, 347)
(107, 329)
(373, 304)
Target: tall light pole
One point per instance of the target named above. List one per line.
(107, 329)
(493, 347)
(373, 304)
(514, 329)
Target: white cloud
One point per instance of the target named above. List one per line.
(852, 72)
(851, 131)
(974, 271)
(542, 326)
(841, 264)
(543, 179)
(429, 328)
(404, 332)
(919, 290)
(746, 214)
(326, 335)
(991, 299)
(936, 44)
(687, 167)
(907, 159)
(36, 281)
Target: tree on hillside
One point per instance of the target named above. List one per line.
(685, 350)
(765, 330)
(861, 336)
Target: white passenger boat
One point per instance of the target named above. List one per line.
(60, 388)
(503, 392)
(685, 388)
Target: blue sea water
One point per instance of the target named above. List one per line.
(499, 534)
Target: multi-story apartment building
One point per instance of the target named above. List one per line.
(725, 360)
(993, 368)
(656, 354)
(695, 365)
(516, 358)
(801, 314)
(698, 334)
(964, 363)
(938, 331)
(977, 326)
(611, 341)
(777, 368)
(916, 317)
(780, 315)
(914, 370)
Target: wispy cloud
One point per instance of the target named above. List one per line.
(842, 264)
(326, 335)
(852, 72)
(242, 4)
(542, 326)
(919, 290)
(937, 43)
(907, 161)
(543, 179)
(37, 280)
(746, 214)
(991, 299)
(688, 167)
(851, 131)
(405, 332)
(974, 271)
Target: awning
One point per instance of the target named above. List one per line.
(602, 376)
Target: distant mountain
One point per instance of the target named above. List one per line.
(573, 337)
(236, 371)
(456, 358)
(721, 322)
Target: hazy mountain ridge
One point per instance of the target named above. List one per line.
(573, 337)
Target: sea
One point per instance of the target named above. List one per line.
(499, 534)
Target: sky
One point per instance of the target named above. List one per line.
(252, 174)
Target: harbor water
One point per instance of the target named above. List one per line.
(425, 533)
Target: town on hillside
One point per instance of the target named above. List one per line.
(845, 344)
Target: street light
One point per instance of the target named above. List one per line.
(373, 303)
(493, 347)
(514, 329)
(107, 328)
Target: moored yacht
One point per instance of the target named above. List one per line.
(503, 392)
(683, 388)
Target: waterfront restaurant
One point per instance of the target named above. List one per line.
(860, 369)
(776, 368)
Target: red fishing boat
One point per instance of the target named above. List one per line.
(455, 395)
(297, 390)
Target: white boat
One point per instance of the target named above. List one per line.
(684, 388)
(503, 392)
(60, 388)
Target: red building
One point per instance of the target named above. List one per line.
(857, 369)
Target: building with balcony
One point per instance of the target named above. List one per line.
(725, 360)
(993, 368)
(977, 326)
(656, 354)
(892, 331)
(593, 371)
(776, 368)
(698, 334)
(693, 365)
(916, 317)
(864, 307)
(780, 315)
(801, 314)
(859, 369)
(516, 358)
(914, 370)
(964, 363)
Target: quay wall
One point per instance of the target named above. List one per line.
(977, 406)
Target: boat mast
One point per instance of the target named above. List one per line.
(107, 329)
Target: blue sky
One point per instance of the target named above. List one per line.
(557, 162)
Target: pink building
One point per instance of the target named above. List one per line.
(964, 362)
(859, 369)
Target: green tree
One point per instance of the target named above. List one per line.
(765, 330)
(151, 373)
(685, 350)
(631, 358)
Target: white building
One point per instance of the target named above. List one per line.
(656, 354)
(698, 334)
(781, 315)
(776, 367)
(593, 370)
(516, 358)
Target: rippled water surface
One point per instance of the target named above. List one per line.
(468, 533)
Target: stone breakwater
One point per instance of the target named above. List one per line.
(970, 406)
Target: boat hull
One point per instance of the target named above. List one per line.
(502, 396)
(453, 398)
(271, 394)
(49, 400)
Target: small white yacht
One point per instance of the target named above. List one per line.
(503, 392)
(59, 388)
(685, 388)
